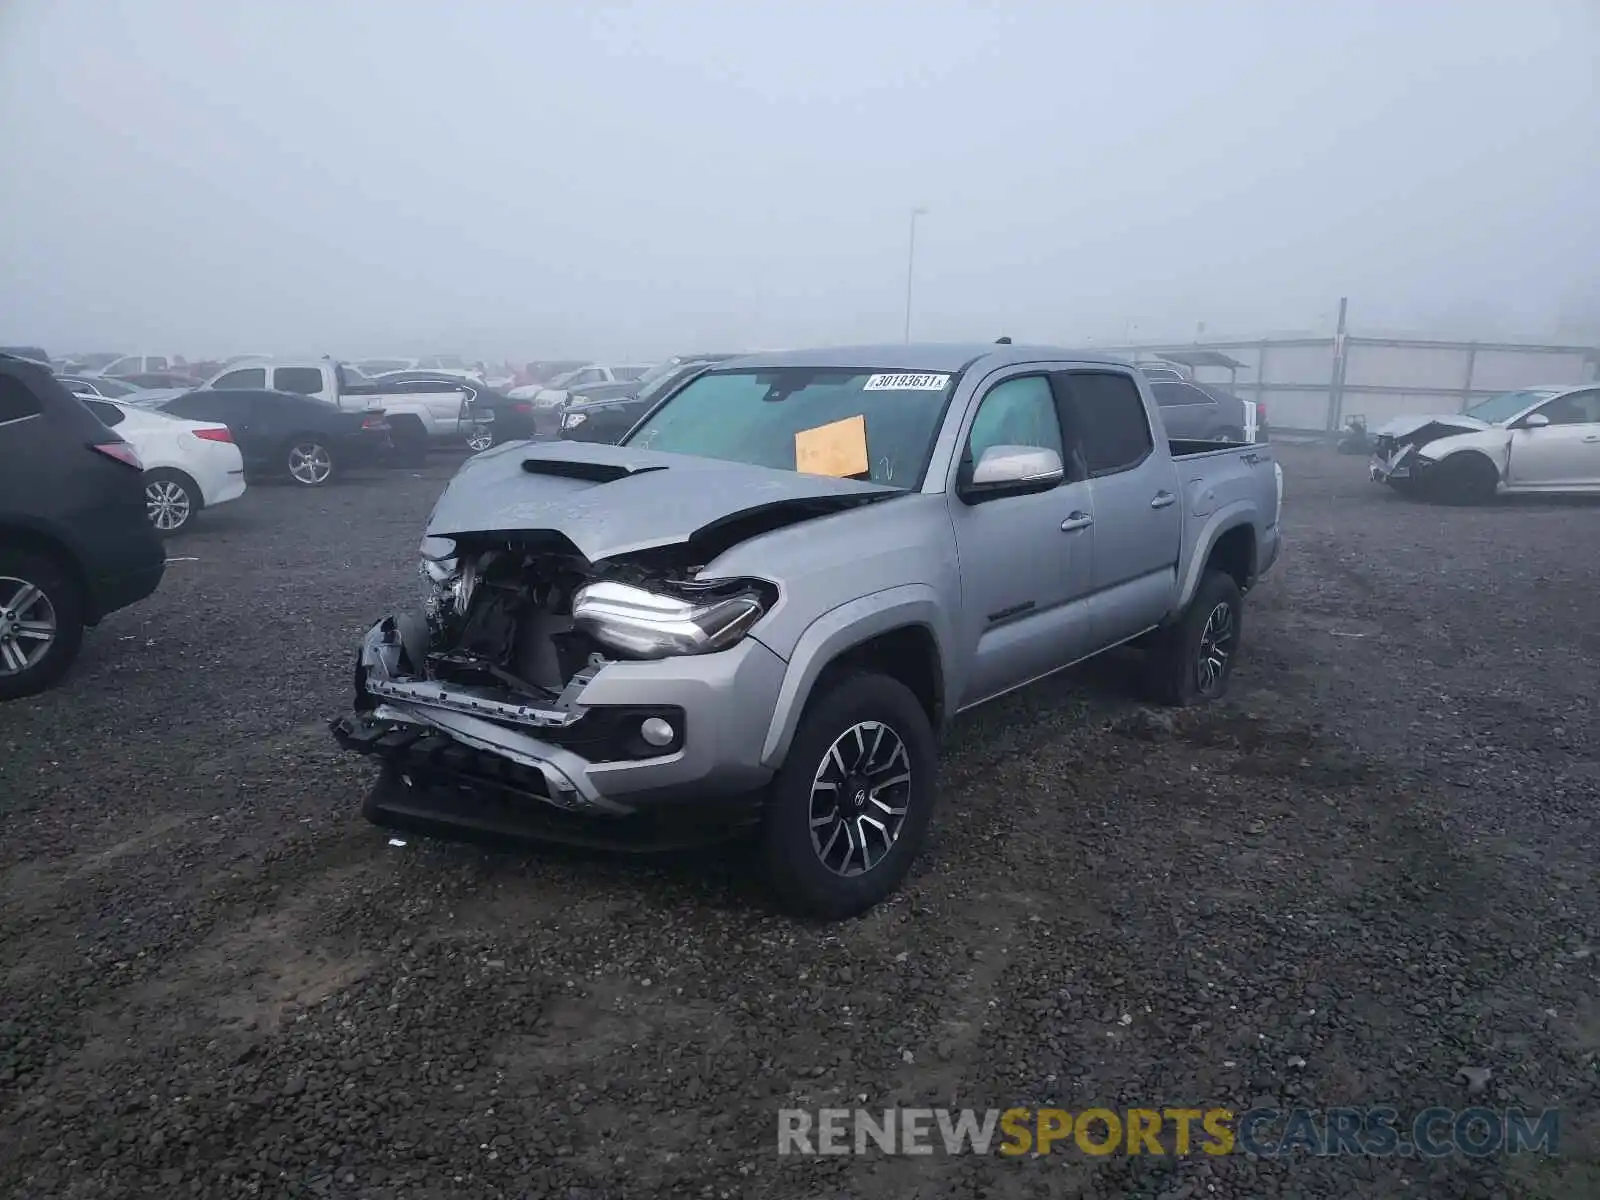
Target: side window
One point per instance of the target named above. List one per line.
(305, 381)
(16, 400)
(249, 377)
(1106, 417)
(591, 376)
(155, 363)
(108, 414)
(125, 365)
(629, 374)
(1575, 408)
(1015, 412)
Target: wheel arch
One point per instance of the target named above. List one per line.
(189, 481)
(902, 633)
(30, 540)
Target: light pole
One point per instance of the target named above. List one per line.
(911, 264)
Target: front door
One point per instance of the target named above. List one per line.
(1024, 559)
(1564, 453)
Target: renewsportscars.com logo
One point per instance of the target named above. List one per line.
(1178, 1132)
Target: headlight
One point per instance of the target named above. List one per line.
(646, 624)
(573, 420)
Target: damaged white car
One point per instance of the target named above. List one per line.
(1543, 439)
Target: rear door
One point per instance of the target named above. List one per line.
(1138, 514)
(1564, 453)
(1025, 559)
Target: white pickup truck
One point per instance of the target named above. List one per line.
(420, 414)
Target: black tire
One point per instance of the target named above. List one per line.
(59, 591)
(1463, 479)
(410, 441)
(173, 497)
(308, 460)
(1174, 673)
(800, 879)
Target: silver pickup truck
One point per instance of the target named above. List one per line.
(765, 605)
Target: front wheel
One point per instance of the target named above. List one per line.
(41, 623)
(479, 438)
(170, 500)
(1464, 479)
(1192, 660)
(309, 462)
(849, 810)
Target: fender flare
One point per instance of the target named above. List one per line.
(1223, 520)
(840, 629)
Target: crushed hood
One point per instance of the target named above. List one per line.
(1447, 422)
(612, 500)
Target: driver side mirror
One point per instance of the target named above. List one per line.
(1535, 421)
(1011, 471)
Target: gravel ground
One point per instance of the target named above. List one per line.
(1373, 866)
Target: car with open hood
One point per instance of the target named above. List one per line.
(764, 606)
(1539, 439)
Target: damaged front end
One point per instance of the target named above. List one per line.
(1395, 458)
(482, 692)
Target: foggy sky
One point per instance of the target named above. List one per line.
(542, 179)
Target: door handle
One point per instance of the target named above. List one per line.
(1162, 500)
(1077, 521)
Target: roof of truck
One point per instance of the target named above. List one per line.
(915, 356)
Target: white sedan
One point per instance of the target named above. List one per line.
(188, 465)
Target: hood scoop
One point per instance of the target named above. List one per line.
(588, 472)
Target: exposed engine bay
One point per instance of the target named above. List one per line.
(513, 634)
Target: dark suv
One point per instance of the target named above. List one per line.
(75, 543)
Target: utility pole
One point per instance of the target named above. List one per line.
(911, 264)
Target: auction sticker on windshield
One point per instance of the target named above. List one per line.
(906, 383)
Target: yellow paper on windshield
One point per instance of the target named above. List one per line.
(838, 449)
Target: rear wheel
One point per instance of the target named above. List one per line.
(410, 441)
(479, 438)
(41, 623)
(171, 499)
(1192, 660)
(849, 810)
(309, 461)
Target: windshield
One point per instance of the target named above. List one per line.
(1506, 405)
(770, 418)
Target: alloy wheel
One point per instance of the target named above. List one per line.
(27, 625)
(479, 439)
(859, 798)
(310, 462)
(166, 503)
(1216, 647)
